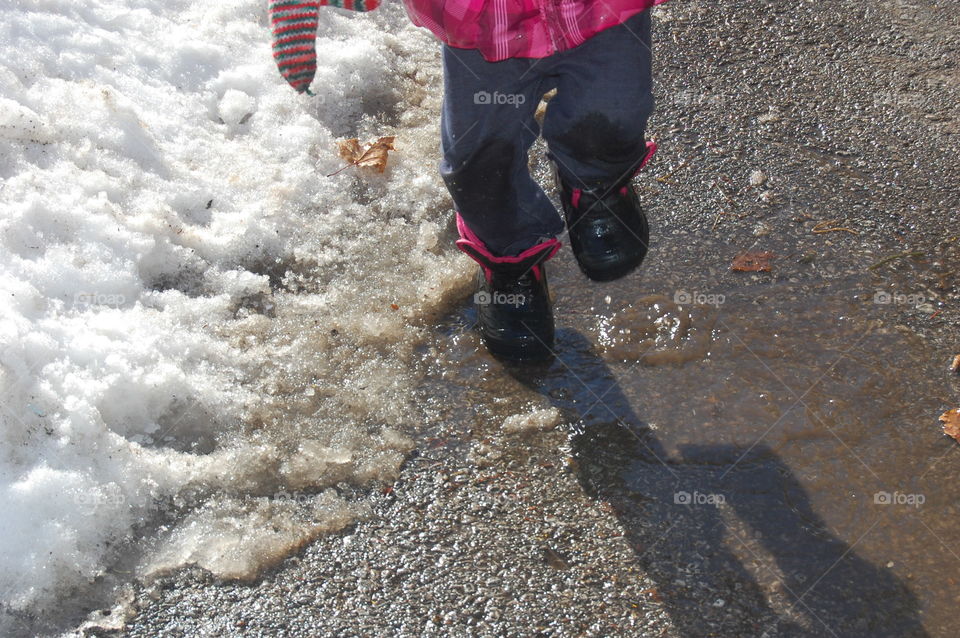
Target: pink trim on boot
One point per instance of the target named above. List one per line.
(474, 248)
(651, 149)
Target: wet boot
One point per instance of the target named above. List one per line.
(514, 311)
(608, 229)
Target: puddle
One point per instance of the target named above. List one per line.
(771, 449)
(656, 330)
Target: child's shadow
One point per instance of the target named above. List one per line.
(761, 563)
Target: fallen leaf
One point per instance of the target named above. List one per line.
(394, 306)
(374, 156)
(955, 366)
(752, 262)
(951, 423)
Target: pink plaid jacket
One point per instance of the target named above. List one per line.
(503, 29)
(499, 29)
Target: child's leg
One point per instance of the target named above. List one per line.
(595, 124)
(487, 128)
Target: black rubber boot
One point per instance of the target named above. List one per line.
(608, 229)
(514, 311)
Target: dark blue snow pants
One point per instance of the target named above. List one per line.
(594, 129)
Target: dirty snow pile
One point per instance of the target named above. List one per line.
(196, 324)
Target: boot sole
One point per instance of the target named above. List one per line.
(616, 270)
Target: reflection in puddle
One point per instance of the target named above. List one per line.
(746, 449)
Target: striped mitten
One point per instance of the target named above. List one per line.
(294, 25)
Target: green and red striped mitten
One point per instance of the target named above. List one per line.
(294, 25)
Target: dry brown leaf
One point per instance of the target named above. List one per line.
(350, 149)
(374, 156)
(955, 366)
(951, 423)
(752, 262)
